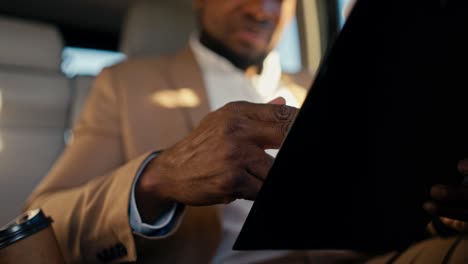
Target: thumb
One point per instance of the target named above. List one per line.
(278, 101)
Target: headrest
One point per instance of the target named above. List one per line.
(29, 44)
(157, 27)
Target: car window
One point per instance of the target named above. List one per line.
(341, 6)
(289, 49)
(81, 61)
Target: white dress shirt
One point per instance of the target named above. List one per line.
(225, 83)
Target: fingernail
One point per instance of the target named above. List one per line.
(439, 192)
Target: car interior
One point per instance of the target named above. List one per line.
(51, 50)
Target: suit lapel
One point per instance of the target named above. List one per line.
(184, 72)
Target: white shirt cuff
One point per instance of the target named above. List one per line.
(135, 219)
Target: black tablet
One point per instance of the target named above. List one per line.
(386, 118)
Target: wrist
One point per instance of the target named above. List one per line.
(151, 199)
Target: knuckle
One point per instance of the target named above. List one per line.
(283, 112)
(260, 164)
(229, 183)
(283, 128)
(225, 187)
(230, 106)
(262, 167)
(230, 150)
(234, 106)
(232, 125)
(208, 118)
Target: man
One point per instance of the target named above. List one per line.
(113, 197)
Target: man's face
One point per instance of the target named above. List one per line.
(248, 28)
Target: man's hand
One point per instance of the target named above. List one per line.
(451, 202)
(223, 159)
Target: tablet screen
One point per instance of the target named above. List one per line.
(381, 124)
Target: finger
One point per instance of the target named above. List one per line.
(273, 113)
(455, 224)
(445, 211)
(278, 101)
(447, 221)
(454, 194)
(250, 187)
(265, 135)
(260, 166)
(264, 112)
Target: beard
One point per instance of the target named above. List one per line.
(241, 62)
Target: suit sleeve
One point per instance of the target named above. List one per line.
(87, 192)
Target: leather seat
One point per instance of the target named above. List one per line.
(146, 32)
(153, 28)
(81, 86)
(34, 107)
(39, 105)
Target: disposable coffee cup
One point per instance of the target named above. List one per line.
(29, 239)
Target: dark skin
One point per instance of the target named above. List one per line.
(223, 159)
(451, 202)
(244, 31)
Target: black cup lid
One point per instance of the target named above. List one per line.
(23, 226)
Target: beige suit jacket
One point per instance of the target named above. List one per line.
(87, 191)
